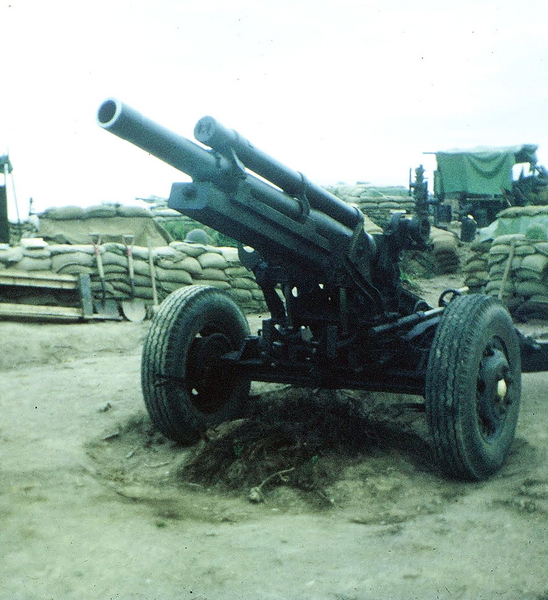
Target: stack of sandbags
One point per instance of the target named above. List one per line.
(378, 205)
(30, 255)
(504, 260)
(71, 225)
(445, 250)
(476, 267)
(517, 272)
(174, 266)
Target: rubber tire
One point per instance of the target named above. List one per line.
(184, 316)
(469, 326)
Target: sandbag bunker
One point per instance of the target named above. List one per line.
(512, 263)
(155, 272)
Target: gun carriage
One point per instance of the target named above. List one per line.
(339, 314)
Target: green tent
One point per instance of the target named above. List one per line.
(480, 172)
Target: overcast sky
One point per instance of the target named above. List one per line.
(342, 91)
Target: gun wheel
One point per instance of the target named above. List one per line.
(184, 388)
(473, 387)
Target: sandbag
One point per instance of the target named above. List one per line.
(530, 288)
(477, 280)
(132, 211)
(524, 249)
(214, 274)
(508, 238)
(535, 262)
(37, 252)
(123, 287)
(142, 280)
(141, 267)
(34, 264)
(114, 247)
(258, 294)
(212, 260)
(243, 283)
(143, 292)
(539, 298)
(167, 253)
(140, 253)
(500, 249)
(11, 256)
(527, 274)
(194, 250)
(481, 247)
(75, 269)
(191, 264)
(69, 249)
(60, 213)
(99, 211)
(231, 255)
(241, 295)
(542, 247)
(114, 271)
(112, 258)
(475, 265)
(237, 272)
(500, 267)
(496, 284)
(174, 275)
(97, 287)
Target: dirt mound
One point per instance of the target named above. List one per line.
(298, 448)
(292, 437)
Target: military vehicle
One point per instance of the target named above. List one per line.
(480, 182)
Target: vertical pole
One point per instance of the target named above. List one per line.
(4, 223)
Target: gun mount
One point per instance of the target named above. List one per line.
(340, 316)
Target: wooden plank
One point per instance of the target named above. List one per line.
(44, 280)
(86, 297)
(40, 311)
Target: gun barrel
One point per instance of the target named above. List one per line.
(176, 150)
(215, 135)
(303, 222)
(186, 156)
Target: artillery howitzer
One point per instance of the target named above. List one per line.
(340, 317)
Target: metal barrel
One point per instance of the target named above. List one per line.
(273, 205)
(186, 156)
(215, 135)
(176, 150)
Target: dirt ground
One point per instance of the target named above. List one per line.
(95, 504)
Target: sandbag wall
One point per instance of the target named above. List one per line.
(514, 268)
(445, 247)
(376, 204)
(176, 265)
(73, 225)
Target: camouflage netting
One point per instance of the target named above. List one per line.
(175, 265)
(513, 267)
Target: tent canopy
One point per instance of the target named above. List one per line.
(481, 171)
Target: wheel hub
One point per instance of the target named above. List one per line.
(493, 390)
(202, 371)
